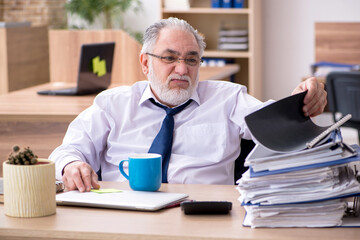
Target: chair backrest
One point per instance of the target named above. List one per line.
(246, 147)
(344, 96)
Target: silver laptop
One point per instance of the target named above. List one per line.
(95, 69)
(129, 200)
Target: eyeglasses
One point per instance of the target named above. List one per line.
(171, 58)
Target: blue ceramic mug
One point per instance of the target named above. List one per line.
(144, 171)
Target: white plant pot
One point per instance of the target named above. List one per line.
(29, 190)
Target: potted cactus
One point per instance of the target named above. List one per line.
(29, 184)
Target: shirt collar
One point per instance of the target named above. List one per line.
(147, 94)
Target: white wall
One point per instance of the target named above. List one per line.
(288, 38)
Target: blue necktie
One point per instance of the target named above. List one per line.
(162, 143)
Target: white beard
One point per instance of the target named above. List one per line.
(173, 97)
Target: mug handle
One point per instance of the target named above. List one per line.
(121, 168)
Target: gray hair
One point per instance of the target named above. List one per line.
(152, 33)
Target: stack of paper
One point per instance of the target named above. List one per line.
(306, 198)
(262, 162)
(317, 214)
(299, 186)
(290, 185)
(233, 39)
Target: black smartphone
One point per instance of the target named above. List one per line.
(206, 207)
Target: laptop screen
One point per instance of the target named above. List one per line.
(95, 67)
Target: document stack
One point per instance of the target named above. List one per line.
(321, 69)
(233, 39)
(298, 177)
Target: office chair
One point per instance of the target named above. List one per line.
(343, 90)
(246, 147)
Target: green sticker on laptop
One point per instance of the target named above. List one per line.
(105, 190)
(99, 66)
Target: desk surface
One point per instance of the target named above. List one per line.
(27, 105)
(92, 223)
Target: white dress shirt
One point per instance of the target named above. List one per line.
(122, 121)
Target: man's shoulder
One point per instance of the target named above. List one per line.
(122, 94)
(136, 88)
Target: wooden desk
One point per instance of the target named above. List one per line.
(91, 223)
(27, 105)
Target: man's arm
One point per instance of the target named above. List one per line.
(315, 99)
(82, 148)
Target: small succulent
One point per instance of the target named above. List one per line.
(25, 157)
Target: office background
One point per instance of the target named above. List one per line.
(288, 36)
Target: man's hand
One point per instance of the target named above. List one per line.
(315, 99)
(80, 175)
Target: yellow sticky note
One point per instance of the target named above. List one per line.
(105, 190)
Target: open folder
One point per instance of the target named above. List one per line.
(283, 127)
(289, 141)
